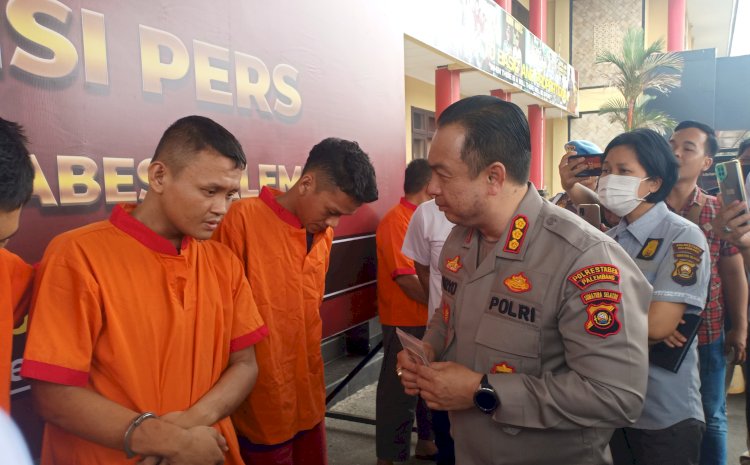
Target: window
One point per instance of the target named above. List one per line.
(422, 129)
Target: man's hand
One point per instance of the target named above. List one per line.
(447, 385)
(202, 445)
(728, 218)
(735, 341)
(569, 170)
(676, 339)
(407, 366)
(184, 420)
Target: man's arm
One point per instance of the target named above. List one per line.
(410, 284)
(732, 225)
(87, 414)
(663, 319)
(225, 396)
(423, 273)
(734, 286)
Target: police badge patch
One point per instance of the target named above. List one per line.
(602, 312)
(687, 257)
(516, 234)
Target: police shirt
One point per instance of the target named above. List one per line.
(557, 316)
(671, 253)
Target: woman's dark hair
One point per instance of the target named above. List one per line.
(654, 154)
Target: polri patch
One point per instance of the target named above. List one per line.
(502, 367)
(517, 283)
(454, 264)
(602, 312)
(593, 274)
(516, 234)
(687, 256)
(649, 250)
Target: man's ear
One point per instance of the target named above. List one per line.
(306, 183)
(157, 173)
(707, 163)
(496, 177)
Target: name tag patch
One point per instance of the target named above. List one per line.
(512, 309)
(593, 274)
(449, 286)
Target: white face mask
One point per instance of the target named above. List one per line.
(619, 194)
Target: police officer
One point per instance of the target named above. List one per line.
(539, 349)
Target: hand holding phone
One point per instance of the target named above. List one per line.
(731, 183)
(593, 164)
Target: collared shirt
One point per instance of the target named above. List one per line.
(556, 315)
(671, 253)
(713, 316)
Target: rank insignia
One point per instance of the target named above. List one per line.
(649, 250)
(687, 256)
(454, 264)
(602, 312)
(516, 234)
(502, 368)
(446, 312)
(593, 274)
(517, 283)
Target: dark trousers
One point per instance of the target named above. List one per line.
(680, 444)
(441, 425)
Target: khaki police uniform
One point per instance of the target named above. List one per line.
(557, 317)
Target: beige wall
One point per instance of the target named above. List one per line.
(656, 21)
(418, 94)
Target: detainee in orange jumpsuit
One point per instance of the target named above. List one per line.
(137, 314)
(16, 185)
(284, 241)
(402, 304)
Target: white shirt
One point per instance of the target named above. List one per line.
(12, 446)
(423, 243)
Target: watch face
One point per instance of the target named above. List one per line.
(486, 400)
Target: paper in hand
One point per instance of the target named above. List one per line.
(413, 346)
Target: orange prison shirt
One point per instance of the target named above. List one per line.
(120, 312)
(288, 284)
(15, 281)
(394, 306)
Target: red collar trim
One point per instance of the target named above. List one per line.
(268, 196)
(408, 204)
(123, 220)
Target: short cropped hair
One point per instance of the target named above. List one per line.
(496, 131)
(16, 169)
(189, 135)
(417, 175)
(712, 144)
(344, 165)
(654, 154)
(744, 145)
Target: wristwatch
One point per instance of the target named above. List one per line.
(485, 397)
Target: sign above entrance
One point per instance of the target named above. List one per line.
(482, 35)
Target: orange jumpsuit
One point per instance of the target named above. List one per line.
(15, 281)
(120, 312)
(394, 306)
(288, 284)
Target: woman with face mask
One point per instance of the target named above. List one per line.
(638, 172)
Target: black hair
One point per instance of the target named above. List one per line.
(189, 135)
(712, 144)
(16, 169)
(744, 145)
(344, 165)
(654, 154)
(417, 175)
(496, 131)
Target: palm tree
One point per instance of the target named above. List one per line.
(639, 69)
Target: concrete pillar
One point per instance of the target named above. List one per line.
(506, 5)
(676, 26)
(447, 88)
(538, 18)
(501, 94)
(536, 128)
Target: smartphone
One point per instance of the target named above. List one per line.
(593, 164)
(731, 183)
(591, 213)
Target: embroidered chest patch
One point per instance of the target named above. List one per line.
(517, 283)
(649, 250)
(516, 234)
(453, 264)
